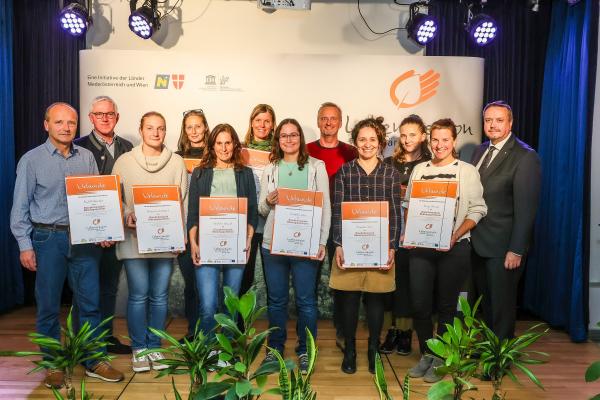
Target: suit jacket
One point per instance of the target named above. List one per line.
(103, 157)
(511, 189)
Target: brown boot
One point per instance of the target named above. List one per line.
(55, 378)
(104, 371)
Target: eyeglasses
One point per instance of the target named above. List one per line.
(197, 110)
(100, 115)
(292, 136)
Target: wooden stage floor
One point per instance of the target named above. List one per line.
(563, 376)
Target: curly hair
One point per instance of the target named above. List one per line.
(376, 124)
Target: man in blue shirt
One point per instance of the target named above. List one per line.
(39, 221)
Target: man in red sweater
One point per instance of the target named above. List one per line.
(335, 153)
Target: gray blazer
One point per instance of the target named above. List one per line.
(511, 190)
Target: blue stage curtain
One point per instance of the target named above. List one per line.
(11, 281)
(556, 274)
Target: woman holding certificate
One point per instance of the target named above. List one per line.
(259, 140)
(362, 186)
(412, 149)
(221, 174)
(194, 129)
(440, 272)
(292, 168)
(148, 274)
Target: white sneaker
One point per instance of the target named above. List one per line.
(155, 359)
(220, 363)
(140, 363)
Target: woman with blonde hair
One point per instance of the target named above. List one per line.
(148, 275)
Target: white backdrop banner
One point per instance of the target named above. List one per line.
(228, 86)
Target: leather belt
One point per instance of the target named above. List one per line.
(52, 227)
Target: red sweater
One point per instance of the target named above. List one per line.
(334, 157)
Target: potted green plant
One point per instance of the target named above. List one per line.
(292, 385)
(457, 347)
(77, 347)
(381, 382)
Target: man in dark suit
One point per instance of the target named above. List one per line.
(510, 175)
(106, 147)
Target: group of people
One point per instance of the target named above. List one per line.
(496, 205)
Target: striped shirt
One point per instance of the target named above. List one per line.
(40, 194)
(353, 184)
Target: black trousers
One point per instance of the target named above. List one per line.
(499, 287)
(438, 273)
(398, 302)
(350, 303)
(190, 289)
(109, 273)
(248, 278)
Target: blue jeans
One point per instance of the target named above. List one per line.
(57, 260)
(277, 276)
(210, 290)
(148, 282)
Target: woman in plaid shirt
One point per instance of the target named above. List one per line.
(365, 179)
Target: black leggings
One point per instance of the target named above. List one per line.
(349, 306)
(438, 273)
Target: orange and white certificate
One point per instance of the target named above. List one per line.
(191, 163)
(159, 215)
(94, 204)
(297, 223)
(256, 160)
(431, 210)
(365, 234)
(222, 230)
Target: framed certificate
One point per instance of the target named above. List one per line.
(191, 163)
(94, 204)
(297, 223)
(430, 215)
(159, 215)
(256, 160)
(222, 230)
(365, 234)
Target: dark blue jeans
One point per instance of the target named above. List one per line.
(304, 278)
(210, 290)
(57, 260)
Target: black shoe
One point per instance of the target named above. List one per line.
(373, 349)
(339, 342)
(116, 347)
(349, 362)
(404, 342)
(391, 341)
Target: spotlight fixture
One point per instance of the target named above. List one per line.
(421, 28)
(144, 21)
(481, 28)
(75, 18)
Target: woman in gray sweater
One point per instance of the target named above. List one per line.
(148, 275)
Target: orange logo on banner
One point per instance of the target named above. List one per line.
(410, 88)
(177, 80)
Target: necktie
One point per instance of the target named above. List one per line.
(487, 159)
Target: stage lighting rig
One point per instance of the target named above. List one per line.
(75, 17)
(144, 21)
(481, 28)
(421, 28)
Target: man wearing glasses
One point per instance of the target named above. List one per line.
(106, 147)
